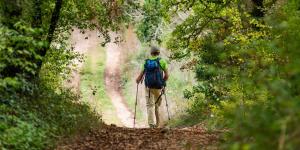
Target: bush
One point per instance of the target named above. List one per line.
(36, 110)
(253, 91)
(36, 123)
(246, 61)
(20, 133)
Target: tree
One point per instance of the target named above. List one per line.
(239, 51)
(148, 29)
(32, 14)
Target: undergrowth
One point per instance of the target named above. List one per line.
(38, 121)
(36, 109)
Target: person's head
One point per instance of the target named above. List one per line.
(155, 51)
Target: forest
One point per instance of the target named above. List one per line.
(234, 73)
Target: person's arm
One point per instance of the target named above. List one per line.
(164, 66)
(166, 74)
(140, 77)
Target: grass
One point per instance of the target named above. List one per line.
(129, 72)
(92, 80)
(177, 83)
(129, 90)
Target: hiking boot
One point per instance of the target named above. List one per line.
(152, 125)
(164, 130)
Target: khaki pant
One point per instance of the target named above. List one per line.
(153, 104)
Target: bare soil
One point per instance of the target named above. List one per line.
(113, 82)
(120, 138)
(82, 42)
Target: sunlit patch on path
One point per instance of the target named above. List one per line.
(112, 83)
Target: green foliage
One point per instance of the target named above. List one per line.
(37, 122)
(36, 109)
(18, 55)
(34, 113)
(21, 133)
(244, 55)
(148, 29)
(245, 61)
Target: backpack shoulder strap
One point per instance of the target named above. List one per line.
(145, 63)
(158, 61)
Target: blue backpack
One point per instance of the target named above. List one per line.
(153, 74)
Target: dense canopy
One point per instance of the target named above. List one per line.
(244, 55)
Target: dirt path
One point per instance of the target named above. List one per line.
(111, 137)
(118, 138)
(113, 82)
(82, 43)
(87, 43)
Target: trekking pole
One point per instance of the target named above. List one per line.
(167, 103)
(136, 97)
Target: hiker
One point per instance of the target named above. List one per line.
(155, 72)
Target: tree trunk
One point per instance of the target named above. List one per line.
(258, 8)
(52, 27)
(54, 21)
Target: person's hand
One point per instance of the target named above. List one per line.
(166, 75)
(165, 79)
(163, 90)
(138, 80)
